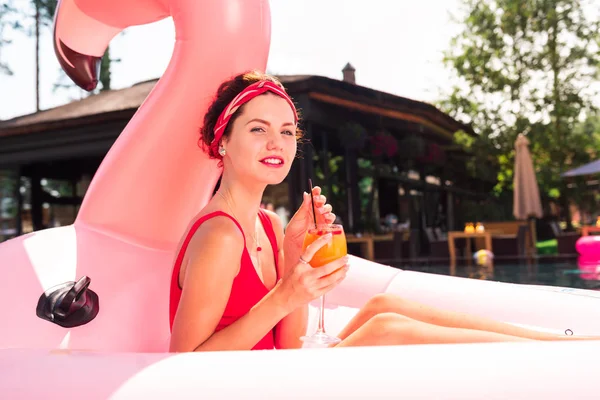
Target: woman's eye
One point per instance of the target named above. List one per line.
(289, 133)
(257, 130)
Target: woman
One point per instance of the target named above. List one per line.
(239, 283)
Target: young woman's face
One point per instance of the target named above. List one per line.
(262, 144)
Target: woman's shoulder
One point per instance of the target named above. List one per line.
(213, 242)
(217, 228)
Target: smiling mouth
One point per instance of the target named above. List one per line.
(272, 161)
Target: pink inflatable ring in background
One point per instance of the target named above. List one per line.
(589, 246)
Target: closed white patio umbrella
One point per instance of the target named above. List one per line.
(526, 198)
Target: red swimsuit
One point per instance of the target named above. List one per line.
(247, 288)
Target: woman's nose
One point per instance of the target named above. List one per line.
(275, 141)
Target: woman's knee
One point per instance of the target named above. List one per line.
(388, 324)
(383, 302)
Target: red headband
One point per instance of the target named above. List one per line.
(250, 92)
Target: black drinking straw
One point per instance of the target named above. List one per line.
(312, 199)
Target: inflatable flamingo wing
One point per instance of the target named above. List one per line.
(152, 182)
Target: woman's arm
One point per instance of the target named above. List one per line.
(214, 259)
(293, 326)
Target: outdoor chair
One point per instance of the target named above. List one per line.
(511, 248)
(565, 241)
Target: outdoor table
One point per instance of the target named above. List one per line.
(587, 229)
(460, 235)
(367, 243)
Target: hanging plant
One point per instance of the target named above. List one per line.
(411, 147)
(433, 154)
(353, 135)
(383, 143)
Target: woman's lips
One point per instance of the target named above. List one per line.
(273, 161)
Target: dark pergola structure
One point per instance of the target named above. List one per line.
(373, 153)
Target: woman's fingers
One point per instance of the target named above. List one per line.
(329, 268)
(319, 199)
(316, 192)
(312, 248)
(325, 209)
(330, 281)
(330, 218)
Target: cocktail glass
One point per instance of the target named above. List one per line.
(333, 250)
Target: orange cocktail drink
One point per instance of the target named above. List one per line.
(333, 250)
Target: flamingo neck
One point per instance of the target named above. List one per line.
(155, 178)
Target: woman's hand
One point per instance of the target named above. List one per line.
(303, 283)
(303, 218)
(302, 221)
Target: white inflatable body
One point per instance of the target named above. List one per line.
(122, 353)
(148, 188)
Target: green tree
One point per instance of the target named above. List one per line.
(8, 19)
(526, 66)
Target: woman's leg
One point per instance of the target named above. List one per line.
(388, 329)
(388, 303)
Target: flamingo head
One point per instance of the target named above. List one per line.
(83, 29)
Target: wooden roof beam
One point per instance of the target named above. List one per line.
(377, 110)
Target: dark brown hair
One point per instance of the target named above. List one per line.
(225, 94)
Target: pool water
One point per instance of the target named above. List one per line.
(564, 273)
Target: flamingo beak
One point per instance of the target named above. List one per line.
(83, 69)
(83, 30)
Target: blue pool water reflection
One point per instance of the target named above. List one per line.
(566, 273)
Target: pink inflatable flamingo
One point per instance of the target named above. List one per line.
(151, 183)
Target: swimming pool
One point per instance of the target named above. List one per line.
(544, 271)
